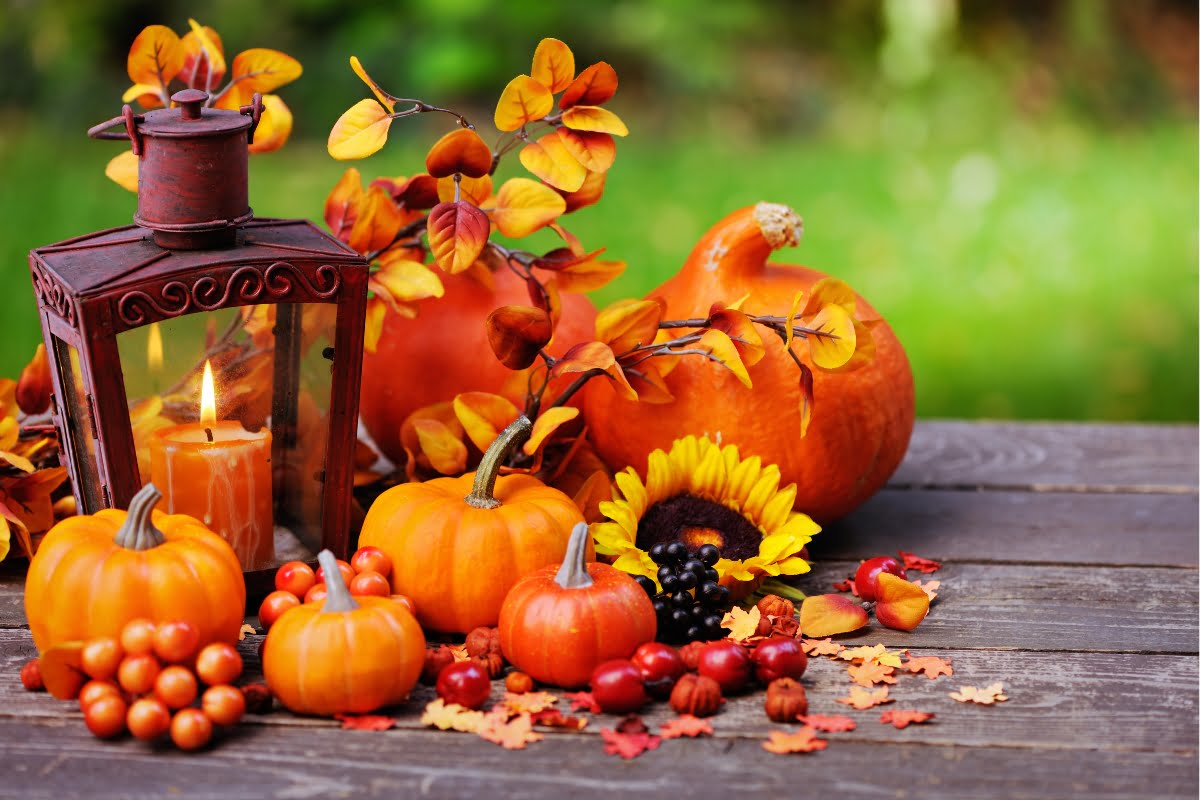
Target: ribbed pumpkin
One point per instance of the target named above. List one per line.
(862, 419)
(345, 655)
(459, 544)
(444, 351)
(92, 574)
(560, 622)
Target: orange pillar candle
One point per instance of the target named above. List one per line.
(219, 473)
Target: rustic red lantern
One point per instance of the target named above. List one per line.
(273, 310)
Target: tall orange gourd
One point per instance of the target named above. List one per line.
(92, 574)
(862, 419)
(444, 351)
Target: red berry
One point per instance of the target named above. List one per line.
(618, 688)
(369, 582)
(660, 665)
(464, 682)
(295, 577)
(371, 559)
(273, 606)
(31, 676)
(727, 663)
(779, 657)
(868, 573)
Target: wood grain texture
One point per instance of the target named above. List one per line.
(1045, 456)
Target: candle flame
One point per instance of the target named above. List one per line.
(154, 349)
(208, 395)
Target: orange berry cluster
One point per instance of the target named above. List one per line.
(147, 680)
(295, 583)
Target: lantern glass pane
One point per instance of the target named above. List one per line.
(79, 425)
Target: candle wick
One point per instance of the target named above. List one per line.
(208, 433)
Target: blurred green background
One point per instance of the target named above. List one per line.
(1013, 185)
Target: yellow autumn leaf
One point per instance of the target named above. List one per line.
(546, 424)
(594, 118)
(523, 100)
(483, 415)
(720, 347)
(524, 206)
(155, 57)
(835, 348)
(148, 95)
(549, 159)
(263, 70)
(476, 191)
(406, 281)
(445, 451)
(378, 221)
(589, 276)
(274, 126)
(627, 323)
(360, 131)
(385, 99)
(123, 170)
(553, 65)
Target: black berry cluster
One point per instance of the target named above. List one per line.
(692, 603)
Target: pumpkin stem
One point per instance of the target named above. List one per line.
(138, 531)
(497, 454)
(337, 596)
(740, 243)
(573, 574)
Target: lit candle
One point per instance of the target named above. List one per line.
(219, 473)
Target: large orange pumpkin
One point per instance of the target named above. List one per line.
(459, 544)
(92, 574)
(862, 419)
(444, 351)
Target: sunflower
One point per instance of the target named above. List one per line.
(702, 493)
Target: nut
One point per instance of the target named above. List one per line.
(690, 653)
(258, 698)
(31, 677)
(492, 663)
(697, 695)
(518, 683)
(786, 700)
(436, 659)
(775, 606)
(484, 641)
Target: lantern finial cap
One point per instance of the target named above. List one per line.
(190, 102)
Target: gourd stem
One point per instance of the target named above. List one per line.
(489, 466)
(573, 574)
(138, 531)
(337, 596)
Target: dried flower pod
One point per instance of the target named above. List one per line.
(690, 653)
(697, 695)
(436, 659)
(484, 641)
(785, 626)
(258, 698)
(31, 677)
(773, 605)
(518, 683)
(492, 663)
(786, 700)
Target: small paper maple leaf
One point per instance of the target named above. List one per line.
(821, 647)
(528, 703)
(685, 725)
(861, 698)
(878, 654)
(628, 745)
(451, 716)
(903, 717)
(985, 696)
(868, 674)
(244, 630)
(828, 724)
(742, 624)
(913, 561)
(802, 741)
(846, 586)
(930, 588)
(460, 652)
(511, 734)
(553, 718)
(932, 666)
(582, 701)
(365, 722)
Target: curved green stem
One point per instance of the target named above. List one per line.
(138, 531)
(497, 454)
(337, 596)
(573, 574)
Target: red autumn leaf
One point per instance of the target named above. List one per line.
(628, 745)
(685, 725)
(596, 150)
(830, 614)
(913, 561)
(341, 206)
(868, 674)
(546, 296)
(898, 603)
(553, 718)
(592, 87)
(563, 257)
(846, 586)
(377, 223)
(582, 701)
(365, 722)
(588, 193)
(821, 647)
(831, 724)
(903, 717)
(861, 698)
(460, 150)
(457, 234)
(807, 402)
(802, 741)
(203, 57)
(632, 723)
(588, 356)
(518, 333)
(932, 666)
(553, 64)
(33, 387)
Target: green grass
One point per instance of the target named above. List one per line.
(1031, 272)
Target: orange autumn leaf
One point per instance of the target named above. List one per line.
(807, 401)
(122, 170)
(259, 69)
(244, 631)
(441, 446)
(589, 193)
(791, 319)
(627, 323)
(595, 119)
(459, 651)
(545, 425)
(582, 701)
(931, 666)
(203, 57)
(595, 489)
(928, 587)
(898, 603)
(377, 222)
(549, 159)
(518, 333)
(461, 150)
(861, 698)
(385, 99)
(594, 86)
(868, 675)
(451, 717)
(830, 724)
(740, 330)
(523, 100)
(365, 722)
(985, 696)
(821, 647)
(34, 388)
(26, 507)
(846, 586)
(528, 703)
(903, 717)
(913, 561)
(873, 654)
(553, 65)
(742, 624)
(476, 191)
(830, 614)
(274, 126)
(457, 234)
(524, 206)
(685, 725)
(802, 741)
(590, 275)
(483, 415)
(588, 356)
(155, 57)
(511, 734)
(341, 206)
(553, 718)
(360, 131)
(595, 150)
(628, 745)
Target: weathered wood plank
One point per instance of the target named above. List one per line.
(1071, 456)
(1027, 527)
(52, 760)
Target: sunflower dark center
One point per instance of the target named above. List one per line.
(696, 521)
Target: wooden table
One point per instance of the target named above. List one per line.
(1070, 574)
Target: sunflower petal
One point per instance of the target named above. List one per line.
(633, 490)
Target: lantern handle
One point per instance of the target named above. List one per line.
(130, 121)
(254, 111)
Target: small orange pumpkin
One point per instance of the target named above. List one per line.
(558, 623)
(459, 544)
(346, 655)
(92, 574)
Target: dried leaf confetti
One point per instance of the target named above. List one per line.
(529, 702)
(553, 718)
(868, 674)
(451, 717)
(828, 724)
(821, 647)
(628, 745)
(861, 698)
(802, 741)
(244, 631)
(930, 588)
(685, 725)
(511, 734)
(742, 624)
(582, 701)
(903, 717)
(876, 654)
(365, 722)
(913, 561)
(846, 586)
(985, 696)
(932, 666)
